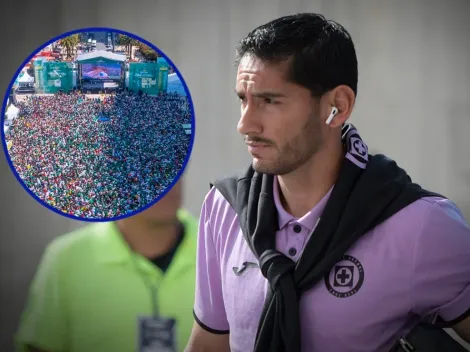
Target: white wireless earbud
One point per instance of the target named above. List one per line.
(333, 112)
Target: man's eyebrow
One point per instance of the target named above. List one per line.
(262, 94)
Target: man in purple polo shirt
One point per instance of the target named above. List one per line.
(361, 253)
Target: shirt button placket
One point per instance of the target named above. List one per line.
(292, 250)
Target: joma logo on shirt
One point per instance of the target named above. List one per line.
(246, 265)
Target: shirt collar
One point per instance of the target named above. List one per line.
(185, 256)
(111, 248)
(309, 220)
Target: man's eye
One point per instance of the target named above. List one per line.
(269, 101)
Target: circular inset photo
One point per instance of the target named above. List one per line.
(98, 124)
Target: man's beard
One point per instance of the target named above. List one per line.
(296, 152)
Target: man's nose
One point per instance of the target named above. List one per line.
(249, 122)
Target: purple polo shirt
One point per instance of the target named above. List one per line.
(415, 263)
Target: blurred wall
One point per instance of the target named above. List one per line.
(413, 97)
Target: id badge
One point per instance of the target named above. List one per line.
(156, 334)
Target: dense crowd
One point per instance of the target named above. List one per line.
(96, 158)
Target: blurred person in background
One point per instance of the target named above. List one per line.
(319, 246)
(116, 286)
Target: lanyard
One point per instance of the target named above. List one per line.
(152, 287)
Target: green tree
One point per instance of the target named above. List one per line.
(147, 52)
(128, 42)
(70, 43)
(123, 39)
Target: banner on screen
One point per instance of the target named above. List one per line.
(56, 76)
(150, 78)
(105, 70)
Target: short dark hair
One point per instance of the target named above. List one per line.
(322, 51)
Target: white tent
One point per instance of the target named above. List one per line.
(26, 78)
(12, 112)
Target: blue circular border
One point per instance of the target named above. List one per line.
(188, 95)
